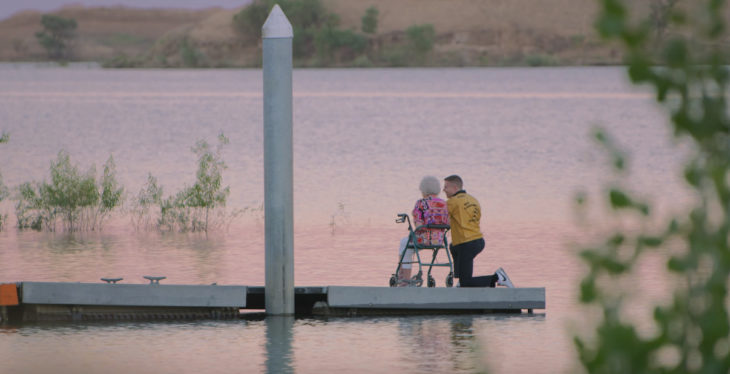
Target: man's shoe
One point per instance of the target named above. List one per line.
(503, 279)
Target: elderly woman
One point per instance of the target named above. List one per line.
(430, 209)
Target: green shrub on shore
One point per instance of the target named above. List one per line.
(318, 38)
(334, 45)
(394, 57)
(362, 61)
(538, 60)
(123, 61)
(420, 41)
(369, 21)
(56, 36)
(305, 16)
(191, 57)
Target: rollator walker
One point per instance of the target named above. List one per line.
(417, 280)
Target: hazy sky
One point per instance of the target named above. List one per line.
(10, 7)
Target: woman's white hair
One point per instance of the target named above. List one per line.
(430, 185)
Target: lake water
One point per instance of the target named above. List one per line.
(519, 137)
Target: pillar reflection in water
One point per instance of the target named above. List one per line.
(441, 344)
(279, 344)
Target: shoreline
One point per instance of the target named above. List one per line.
(409, 33)
(100, 65)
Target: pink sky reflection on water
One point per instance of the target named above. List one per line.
(363, 139)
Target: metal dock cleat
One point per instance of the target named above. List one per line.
(111, 280)
(154, 280)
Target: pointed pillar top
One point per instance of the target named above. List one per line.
(277, 25)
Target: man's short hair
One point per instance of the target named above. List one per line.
(455, 179)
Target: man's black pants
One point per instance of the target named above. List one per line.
(463, 255)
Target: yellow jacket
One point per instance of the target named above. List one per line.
(464, 213)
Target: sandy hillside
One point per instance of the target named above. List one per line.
(565, 17)
(468, 24)
(468, 32)
(101, 33)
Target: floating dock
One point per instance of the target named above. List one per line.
(63, 301)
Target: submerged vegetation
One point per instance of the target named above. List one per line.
(199, 207)
(339, 217)
(4, 191)
(688, 333)
(77, 201)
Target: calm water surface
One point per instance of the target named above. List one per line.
(362, 141)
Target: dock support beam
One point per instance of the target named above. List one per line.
(278, 163)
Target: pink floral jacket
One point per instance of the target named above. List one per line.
(430, 210)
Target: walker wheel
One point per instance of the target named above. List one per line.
(393, 281)
(450, 281)
(431, 282)
(417, 280)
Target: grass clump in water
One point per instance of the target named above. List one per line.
(194, 208)
(75, 199)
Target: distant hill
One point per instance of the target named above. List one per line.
(467, 32)
(102, 32)
(491, 32)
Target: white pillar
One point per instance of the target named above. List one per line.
(278, 163)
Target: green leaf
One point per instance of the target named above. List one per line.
(676, 53)
(639, 69)
(673, 227)
(637, 37)
(619, 162)
(616, 240)
(588, 292)
(600, 136)
(677, 265)
(651, 241)
(619, 199)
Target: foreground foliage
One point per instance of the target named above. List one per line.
(691, 333)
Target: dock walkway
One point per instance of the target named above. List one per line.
(63, 301)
